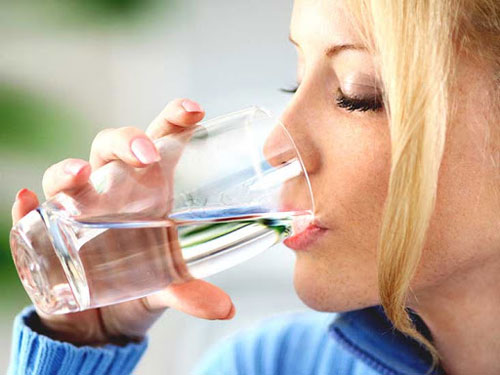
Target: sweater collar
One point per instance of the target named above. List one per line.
(370, 336)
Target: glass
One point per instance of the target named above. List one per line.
(223, 191)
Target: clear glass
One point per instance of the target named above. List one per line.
(223, 191)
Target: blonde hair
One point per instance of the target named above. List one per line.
(418, 43)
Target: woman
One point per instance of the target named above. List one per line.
(396, 118)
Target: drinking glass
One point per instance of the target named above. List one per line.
(223, 191)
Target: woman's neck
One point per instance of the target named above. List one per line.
(462, 313)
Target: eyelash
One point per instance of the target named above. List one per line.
(350, 104)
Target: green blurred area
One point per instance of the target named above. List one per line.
(93, 14)
(34, 128)
(13, 295)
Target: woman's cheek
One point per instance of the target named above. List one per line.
(354, 179)
(351, 190)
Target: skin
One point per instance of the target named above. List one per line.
(347, 155)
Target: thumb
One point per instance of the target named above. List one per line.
(194, 297)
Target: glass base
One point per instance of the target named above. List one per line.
(40, 270)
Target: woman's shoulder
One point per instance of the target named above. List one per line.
(286, 344)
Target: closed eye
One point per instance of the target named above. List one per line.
(351, 104)
(371, 103)
(290, 90)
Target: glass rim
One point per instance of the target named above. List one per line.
(210, 127)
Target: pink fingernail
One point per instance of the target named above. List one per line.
(22, 193)
(144, 151)
(74, 167)
(191, 106)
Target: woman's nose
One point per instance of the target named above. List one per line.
(279, 147)
(292, 136)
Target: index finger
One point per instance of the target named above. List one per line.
(177, 115)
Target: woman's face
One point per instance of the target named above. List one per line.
(342, 132)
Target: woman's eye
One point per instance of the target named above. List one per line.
(290, 90)
(372, 103)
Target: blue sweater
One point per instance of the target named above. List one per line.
(355, 343)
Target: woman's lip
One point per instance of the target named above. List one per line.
(305, 239)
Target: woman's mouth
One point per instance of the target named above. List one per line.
(306, 233)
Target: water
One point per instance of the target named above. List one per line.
(115, 259)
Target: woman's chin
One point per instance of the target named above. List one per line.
(310, 288)
(323, 292)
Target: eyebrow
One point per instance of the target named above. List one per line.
(333, 49)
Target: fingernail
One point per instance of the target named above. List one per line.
(22, 193)
(74, 167)
(144, 151)
(191, 106)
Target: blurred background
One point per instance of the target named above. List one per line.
(70, 68)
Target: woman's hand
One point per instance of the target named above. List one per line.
(128, 320)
